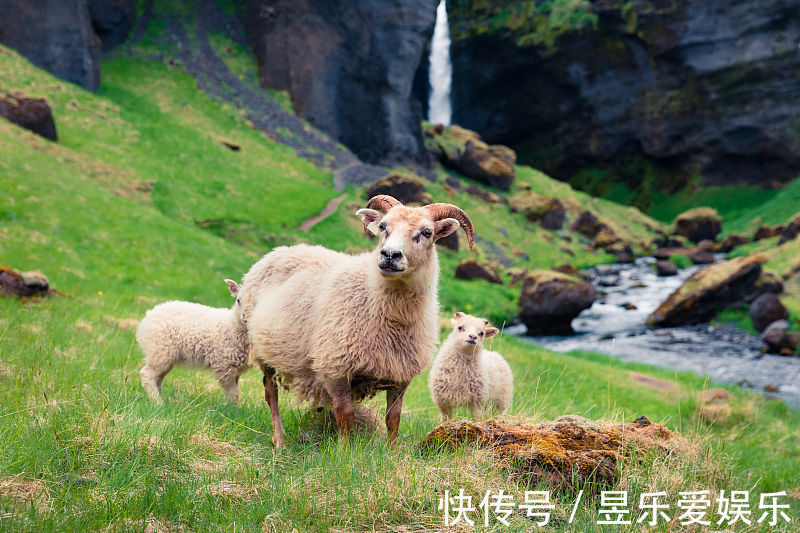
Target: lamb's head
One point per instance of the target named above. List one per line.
(407, 234)
(469, 332)
(237, 307)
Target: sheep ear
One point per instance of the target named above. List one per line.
(490, 332)
(368, 217)
(459, 314)
(233, 286)
(445, 227)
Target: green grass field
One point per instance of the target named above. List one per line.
(139, 203)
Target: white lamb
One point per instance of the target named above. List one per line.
(185, 333)
(464, 374)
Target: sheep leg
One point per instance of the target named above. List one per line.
(271, 397)
(343, 410)
(394, 407)
(446, 413)
(152, 380)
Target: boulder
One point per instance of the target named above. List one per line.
(698, 224)
(587, 224)
(731, 242)
(779, 339)
(112, 20)
(54, 35)
(550, 300)
(706, 292)
(348, 67)
(549, 212)
(472, 269)
(464, 151)
(666, 268)
(663, 240)
(23, 284)
(791, 231)
(407, 189)
(568, 269)
(622, 252)
(450, 242)
(765, 310)
(767, 232)
(487, 196)
(767, 282)
(33, 114)
(700, 257)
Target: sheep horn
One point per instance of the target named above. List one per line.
(383, 202)
(441, 211)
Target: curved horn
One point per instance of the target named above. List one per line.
(383, 202)
(440, 211)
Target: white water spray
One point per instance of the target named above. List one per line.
(440, 72)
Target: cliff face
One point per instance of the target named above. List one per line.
(66, 38)
(54, 35)
(348, 66)
(702, 86)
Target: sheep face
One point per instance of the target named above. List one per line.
(407, 236)
(470, 331)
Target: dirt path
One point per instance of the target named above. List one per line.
(330, 209)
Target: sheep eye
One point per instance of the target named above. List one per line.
(481, 334)
(427, 233)
(460, 328)
(382, 226)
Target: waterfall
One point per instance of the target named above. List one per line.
(440, 73)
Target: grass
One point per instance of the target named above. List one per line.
(139, 203)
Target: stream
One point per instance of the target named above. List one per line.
(726, 354)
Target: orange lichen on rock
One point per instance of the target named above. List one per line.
(566, 452)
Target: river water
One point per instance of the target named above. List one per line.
(725, 353)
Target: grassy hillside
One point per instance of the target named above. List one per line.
(139, 202)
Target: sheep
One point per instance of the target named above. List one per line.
(337, 328)
(185, 333)
(464, 374)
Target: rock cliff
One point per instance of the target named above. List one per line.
(349, 67)
(705, 87)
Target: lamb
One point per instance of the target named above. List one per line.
(337, 328)
(185, 333)
(464, 374)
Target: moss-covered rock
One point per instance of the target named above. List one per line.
(550, 300)
(472, 269)
(708, 291)
(698, 224)
(464, 151)
(549, 212)
(408, 189)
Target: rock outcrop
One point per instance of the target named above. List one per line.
(550, 300)
(112, 20)
(54, 35)
(698, 224)
(693, 87)
(707, 292)
(407, 189)
(549, 212)
(472, 269)
(465, 151)
(33, 114)
(348, 66)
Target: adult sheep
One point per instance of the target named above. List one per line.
(337, 328)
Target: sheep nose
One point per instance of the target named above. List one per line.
(391, 254)
(472, 337)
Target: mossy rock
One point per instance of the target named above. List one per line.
(466, 152)
(699, 224)
(707, 292)
(550, 300)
